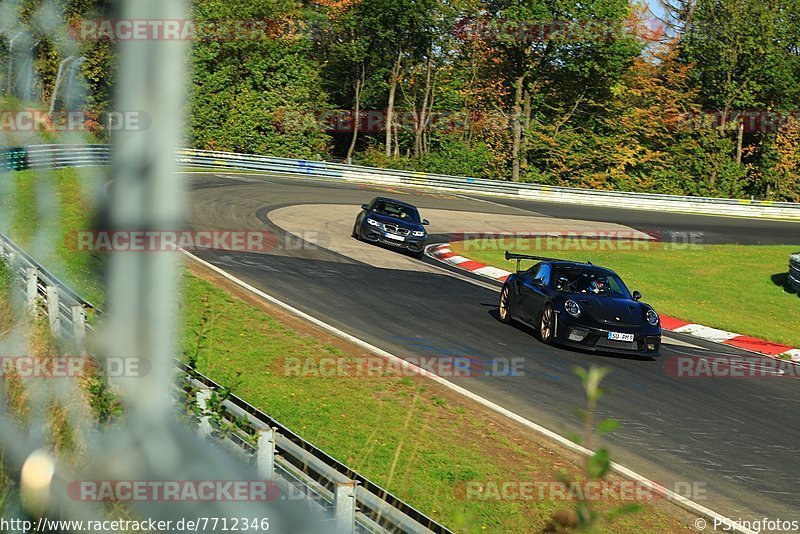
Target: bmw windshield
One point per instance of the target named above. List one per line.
(588, 281)
(398, 211)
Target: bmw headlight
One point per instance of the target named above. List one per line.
(373, 222)
(418, 234)
(652, 317)
(572, 308)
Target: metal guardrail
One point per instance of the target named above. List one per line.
(12, 158)
(84, 155)
(355, 503)
(794, 271)
(457, 184)
(65, 309)
(58, 156)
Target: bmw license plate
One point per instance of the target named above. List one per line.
(619, 336)
(396, 237)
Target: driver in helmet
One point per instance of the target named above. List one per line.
(597, 286)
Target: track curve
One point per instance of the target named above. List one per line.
(725, 435)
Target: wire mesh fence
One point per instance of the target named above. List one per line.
(106, 454)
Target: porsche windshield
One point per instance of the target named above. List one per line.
(589, 281)
(399, 211)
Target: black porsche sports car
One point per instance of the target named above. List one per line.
(579, 305)
(393, 223)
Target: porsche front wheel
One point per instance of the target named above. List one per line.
(546, 325)
(504, 307)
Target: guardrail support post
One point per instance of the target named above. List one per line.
(265, 455)
(58, 81)
(203, 396)
(79, 327)
(344, 507)
(32, 289)
(53, 312)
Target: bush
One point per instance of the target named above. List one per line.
(452, 157)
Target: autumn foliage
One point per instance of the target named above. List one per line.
(585, 94)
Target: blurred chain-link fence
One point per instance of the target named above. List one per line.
(72, 444)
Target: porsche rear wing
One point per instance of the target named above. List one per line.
(520, 257)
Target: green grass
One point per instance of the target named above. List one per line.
(5, 487)
(42, 210)
(733, 287)
(6, 322)
(396, 431)
(7, 390)
(3, 276)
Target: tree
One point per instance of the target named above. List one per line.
(252, 93)
(555, 57)
(779, 168)
(745, 52)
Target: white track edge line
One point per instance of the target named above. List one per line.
(680, 500)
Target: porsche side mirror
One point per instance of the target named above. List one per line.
(425, 222)
(637, 295)
(364, 206)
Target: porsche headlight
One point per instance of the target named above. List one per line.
(572, 308)
(373, 222)
(652, 317)
(418, 234)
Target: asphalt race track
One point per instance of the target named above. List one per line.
(736, 440)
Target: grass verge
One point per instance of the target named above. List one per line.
(45, 209)
(739, 288)
(412, 436)
(5, 325)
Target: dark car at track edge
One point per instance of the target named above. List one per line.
(392, 223)
(579, 305)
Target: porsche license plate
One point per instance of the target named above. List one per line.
(619, 336)
(396, 237)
